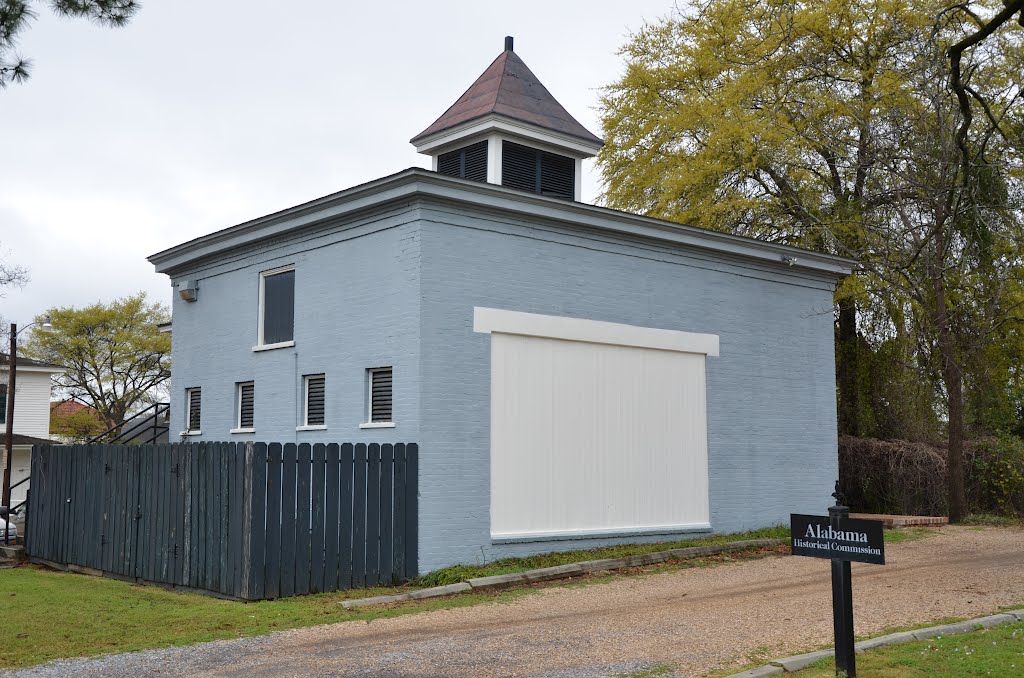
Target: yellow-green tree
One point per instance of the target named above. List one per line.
(832, 125)
(114, 354)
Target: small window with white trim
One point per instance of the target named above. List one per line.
(314, 389)
(379, 396)
(246, 400)
(193, 405)
(277, 308)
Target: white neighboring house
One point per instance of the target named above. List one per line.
(31, 416)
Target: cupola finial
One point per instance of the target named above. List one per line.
(508, 43)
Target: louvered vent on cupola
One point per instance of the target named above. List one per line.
(531, 169)
(469, 162)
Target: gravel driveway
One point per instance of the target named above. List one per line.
(694, 620)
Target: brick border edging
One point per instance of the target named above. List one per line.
(563, 572)
(802, 661)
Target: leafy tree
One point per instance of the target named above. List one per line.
(15, 16)
(833, 125)
(79, 425)
(114, 353)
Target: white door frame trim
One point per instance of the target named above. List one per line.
(488, 320)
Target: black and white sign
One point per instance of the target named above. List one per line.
(851, 539)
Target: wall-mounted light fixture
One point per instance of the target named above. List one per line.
(188, 290)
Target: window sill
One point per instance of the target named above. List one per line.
(312, 427)
(378, 424)
(242, 430)
(190, 433)
(271, 347)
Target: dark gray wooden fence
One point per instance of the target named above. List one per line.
(246, 520)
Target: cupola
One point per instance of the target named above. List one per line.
(507, 129)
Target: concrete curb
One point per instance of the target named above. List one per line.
(562, 572)
(802, 661)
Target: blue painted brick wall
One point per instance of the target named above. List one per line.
(771, 393)
(357, 306)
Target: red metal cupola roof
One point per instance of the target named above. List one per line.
(508, 88)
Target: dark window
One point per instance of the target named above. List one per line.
(246, 404)
(194, 401)
(530, 169)
(469, 162)
(315, 400)
(278, 308)
(380, 395)
(3, 403)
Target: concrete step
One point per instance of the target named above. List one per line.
(12, 552)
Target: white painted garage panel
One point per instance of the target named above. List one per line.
(593, 437)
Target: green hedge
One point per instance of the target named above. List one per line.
(901, 477)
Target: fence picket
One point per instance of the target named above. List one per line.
(259, 520)
(399, 518)
(223, 510)
(289, 462)
(387, 477)
(332, 491)
(275, 471)
(237, 505)
(303, 535)
(373, 514)
(212, 522)
(359, 519)
(412, 474)
(317, 550)
(345, 520)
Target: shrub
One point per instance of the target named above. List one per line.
(997, 473)
(901, 477)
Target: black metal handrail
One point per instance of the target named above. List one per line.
(15, 507)
(158, 429)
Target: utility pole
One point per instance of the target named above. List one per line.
(12, 361)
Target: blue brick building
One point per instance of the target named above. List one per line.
(574, 375)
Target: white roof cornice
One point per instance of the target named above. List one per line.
(419, 183)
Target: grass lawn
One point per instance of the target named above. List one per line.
(56, 614)
(997, 651)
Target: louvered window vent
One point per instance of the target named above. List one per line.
(194, 400)
(315, 413)
(537, 171)
(381, 394)
(469, 162)
(246, 405)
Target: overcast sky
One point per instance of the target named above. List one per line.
(199, 115)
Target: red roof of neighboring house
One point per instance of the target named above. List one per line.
(65, 408)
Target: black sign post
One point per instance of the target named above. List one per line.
(842, 601)
(842, 540)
